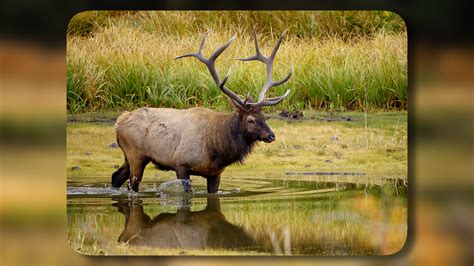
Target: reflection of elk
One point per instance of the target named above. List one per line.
(185, 229)
(196, 141)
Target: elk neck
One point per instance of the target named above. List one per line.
(231, 143)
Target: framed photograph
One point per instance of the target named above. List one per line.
(237, 133)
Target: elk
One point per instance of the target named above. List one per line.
(197, 141)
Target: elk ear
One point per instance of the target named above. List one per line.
(249, 99)
(237, 107)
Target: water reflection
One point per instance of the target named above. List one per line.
(290, 217)
(184, 229)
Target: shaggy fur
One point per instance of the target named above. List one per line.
(195, 141)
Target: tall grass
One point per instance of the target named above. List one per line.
(128, 60)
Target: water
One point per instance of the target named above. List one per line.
(251, 214)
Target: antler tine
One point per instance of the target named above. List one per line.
(226, 77)
(269, 101)
(229, 93)
(198, 54)
(221, 49)
(275, 49)
(209, 62)
(285, 79)
(258, 55)
(201, 46)
(269, 65)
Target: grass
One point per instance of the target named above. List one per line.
(376, 146)
(312, 145)
(304, 24)
(127, 250)
(341, 60)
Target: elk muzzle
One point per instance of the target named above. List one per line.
(269, 137)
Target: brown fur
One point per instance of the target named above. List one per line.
(194, 141)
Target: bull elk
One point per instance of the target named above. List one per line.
(197, 141)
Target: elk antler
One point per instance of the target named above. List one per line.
(268, 61)
(210, 63)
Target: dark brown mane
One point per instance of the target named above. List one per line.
(230, 144)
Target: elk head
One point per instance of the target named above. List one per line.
(249, 112)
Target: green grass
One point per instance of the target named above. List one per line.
(377, 147)
(342, 60)
(380, 149)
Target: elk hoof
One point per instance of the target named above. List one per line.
(186, 186)
(133, 184)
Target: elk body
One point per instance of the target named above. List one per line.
(196, 141)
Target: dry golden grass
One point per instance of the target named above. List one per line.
(379, 150)
(130, 62)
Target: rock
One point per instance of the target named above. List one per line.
(75, 168)
(175, 186)
(284, 113)
(114, 145)
(295, 115)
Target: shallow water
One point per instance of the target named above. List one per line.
(252, 213)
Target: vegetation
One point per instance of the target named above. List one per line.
(380, 149)
(342, 60)
(376, 146)
(309, 220)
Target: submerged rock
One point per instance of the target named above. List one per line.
(176, 186)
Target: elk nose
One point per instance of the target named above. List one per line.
(271, 137)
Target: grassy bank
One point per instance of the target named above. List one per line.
(379, 150)
(352, 60)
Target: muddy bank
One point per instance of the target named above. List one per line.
(285, 115)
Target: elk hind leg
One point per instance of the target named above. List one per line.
(121, 175)
(213, 183)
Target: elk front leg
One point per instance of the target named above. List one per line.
(183, 175)
(213, 183)
(136, 167)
